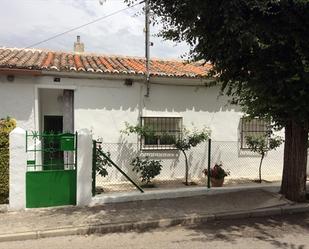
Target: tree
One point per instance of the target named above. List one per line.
(189, 140)
(261, 145)
(260, 54)
(185, 142)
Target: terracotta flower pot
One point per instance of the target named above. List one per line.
(216, 182)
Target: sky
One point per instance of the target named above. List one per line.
(26, 22)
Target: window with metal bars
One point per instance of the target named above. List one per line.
(252, 127)
(165, 131)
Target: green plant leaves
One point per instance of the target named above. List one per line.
(6, 126)
(146, 168)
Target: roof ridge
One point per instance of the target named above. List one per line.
(95, 54)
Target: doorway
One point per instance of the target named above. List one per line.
(52, 155)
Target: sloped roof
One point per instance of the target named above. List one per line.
(35, 59)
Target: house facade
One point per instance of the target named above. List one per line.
(61, 91)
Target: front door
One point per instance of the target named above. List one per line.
(53, 156)
(53, 124)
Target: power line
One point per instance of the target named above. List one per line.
(84, 25)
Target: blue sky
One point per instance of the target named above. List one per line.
(25, 22)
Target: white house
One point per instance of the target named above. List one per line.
(48, 90)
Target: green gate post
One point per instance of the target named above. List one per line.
(94, 159)
(209, 161)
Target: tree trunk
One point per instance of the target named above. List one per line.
(260, 169)
(293, 185)
(187, 168)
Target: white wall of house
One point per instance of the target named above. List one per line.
(103, 106)
(50, 103)
(17, 101)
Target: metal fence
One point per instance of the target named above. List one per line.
(242, 164)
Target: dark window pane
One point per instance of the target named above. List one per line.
(166, 131)
(251, 127)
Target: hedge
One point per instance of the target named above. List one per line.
(6, 126)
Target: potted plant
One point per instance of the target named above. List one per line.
(217, 174)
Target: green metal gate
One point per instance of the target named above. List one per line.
(51, 169)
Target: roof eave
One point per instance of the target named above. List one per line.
(155, 79)
(17, 71)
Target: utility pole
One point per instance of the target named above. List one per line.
(147, 46)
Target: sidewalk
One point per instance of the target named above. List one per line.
(121, 217)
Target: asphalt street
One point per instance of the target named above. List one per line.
(288, 232)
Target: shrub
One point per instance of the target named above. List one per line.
(147, 169)
(6, 126)
(102, 163)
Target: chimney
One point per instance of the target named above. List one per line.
(79, 47)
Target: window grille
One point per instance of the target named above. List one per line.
(165, 131)
(252, 127)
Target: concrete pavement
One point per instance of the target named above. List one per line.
(140, 215)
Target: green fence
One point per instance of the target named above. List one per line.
(51, 169)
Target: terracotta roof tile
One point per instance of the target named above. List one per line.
(71, 63)
(64, 64)
(99, 63)
(120, 66)
(78, 63)
(93, 63)
(86, 66)
(33, 58)
(40, 61)
(108, 66)
(48, 60)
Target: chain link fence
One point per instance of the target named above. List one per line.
(242, 164)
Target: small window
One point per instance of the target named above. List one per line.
(252, 127)
(166, 131)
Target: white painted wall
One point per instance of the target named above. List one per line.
(198, 106)
(103, 106)
(17, 100)
(104, 110)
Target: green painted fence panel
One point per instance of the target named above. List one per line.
(50, 188)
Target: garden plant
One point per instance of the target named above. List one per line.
(217, 175)
(147, 169)
(261, 145)
(6, 126)
(186, 141)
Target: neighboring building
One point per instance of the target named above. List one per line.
(48, 90)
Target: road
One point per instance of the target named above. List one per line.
(289, 232)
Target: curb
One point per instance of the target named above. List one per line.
(152, 224)
(176, 193)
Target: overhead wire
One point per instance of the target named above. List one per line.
(84, 25)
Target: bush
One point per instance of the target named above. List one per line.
(102, 163)
(147, 169)
(6, 126)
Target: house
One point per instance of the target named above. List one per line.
(68, 91)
